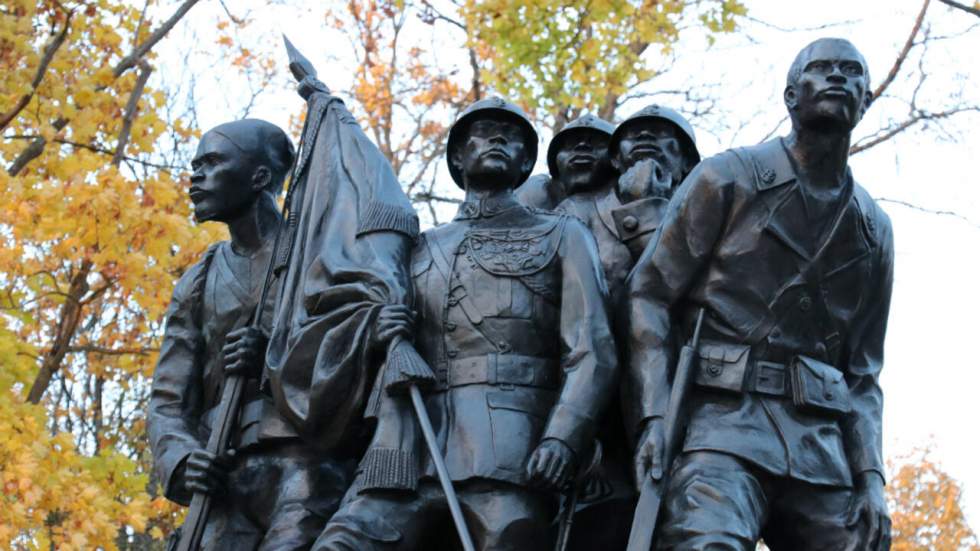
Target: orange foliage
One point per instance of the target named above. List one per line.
(925, 507)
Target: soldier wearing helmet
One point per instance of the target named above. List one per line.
(511, 313)
(653, 150)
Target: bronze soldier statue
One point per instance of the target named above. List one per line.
(274, 492)
(511, 313)
(653, 150)
(655, 147)
(792, 262)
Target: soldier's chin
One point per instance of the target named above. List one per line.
(204, 214)
(492, 169)
(832, 118)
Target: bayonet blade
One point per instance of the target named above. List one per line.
(298, 64)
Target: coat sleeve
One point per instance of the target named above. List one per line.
(588, 352)
(862, 429)
(662, 276)
(176, 393)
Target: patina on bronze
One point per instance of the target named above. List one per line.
(269, 490)
(512, 315)
(784, 437)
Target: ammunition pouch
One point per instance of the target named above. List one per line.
(722, 366)
(814, 387)
(818, 388)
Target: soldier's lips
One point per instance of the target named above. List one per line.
(834, 93)
(495, 153)
(582, 159)
(644, 150)
(198, 195)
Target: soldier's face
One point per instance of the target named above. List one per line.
(831, 93)
(581, 159)
(493, 153)
(220, 183)
(651, 139)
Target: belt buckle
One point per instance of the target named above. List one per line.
(770, 378)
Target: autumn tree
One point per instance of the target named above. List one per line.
(95, 228)
(925, 506)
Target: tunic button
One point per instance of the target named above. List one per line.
(828, 395)
(805, 303)
(714, 370)
(450, 326)
(630, 223)
(452, 353)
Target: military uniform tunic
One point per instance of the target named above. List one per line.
(280, 491)
(512, 317)
(787, 379)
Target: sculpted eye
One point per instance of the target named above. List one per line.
(818, 66)
(852, 69)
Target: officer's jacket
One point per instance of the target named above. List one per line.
(209, 301)
(736, 240)
(595, 210)
(512, 317)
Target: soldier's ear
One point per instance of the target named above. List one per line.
(261, 178)
(790, 97)
(868, 98)
(616, 163)
(527, 165)
(456, 158)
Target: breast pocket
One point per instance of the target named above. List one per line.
(517, 419)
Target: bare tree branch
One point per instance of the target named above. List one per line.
(130, 113)
(36, 147)
(42, 68)
(916, 117)
(68, 318)
(954, 214)
(902, 55)
(964, 7)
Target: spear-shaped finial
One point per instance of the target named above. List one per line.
(303, 71)
(298, 64)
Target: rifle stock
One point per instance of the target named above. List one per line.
(197, 516)
(647, 511)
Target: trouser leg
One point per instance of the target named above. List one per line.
(807, 517)
(377, 521)
(507, 517)
(309, 492)
(713, 502)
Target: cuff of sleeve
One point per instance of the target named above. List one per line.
(639, 217)
(386, 217)
(173, 483)
(863, 460)
(572, 427)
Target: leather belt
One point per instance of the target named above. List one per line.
(501, 370)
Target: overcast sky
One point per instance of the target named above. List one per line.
(932, 372)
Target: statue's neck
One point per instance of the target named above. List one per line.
(255, 226)
(481, 195)
(821, 157)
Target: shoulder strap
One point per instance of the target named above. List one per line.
(197, 291)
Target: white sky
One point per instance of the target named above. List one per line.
(931, 378)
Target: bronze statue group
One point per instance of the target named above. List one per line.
(641, 350)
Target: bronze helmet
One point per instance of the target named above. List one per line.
(654, 111)
(474, 111)
(589, 122)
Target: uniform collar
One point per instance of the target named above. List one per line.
(775, 167)
(486, 208)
